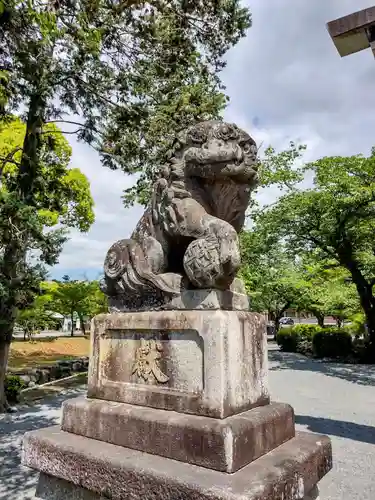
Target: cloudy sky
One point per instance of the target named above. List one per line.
(286, 82)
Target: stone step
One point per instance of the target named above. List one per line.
(221, 444)
(92, 470)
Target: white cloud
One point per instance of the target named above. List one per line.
(289, 75)
(286, 82)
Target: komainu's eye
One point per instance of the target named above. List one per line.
(249, 148)
(227, 132)
(197, 135)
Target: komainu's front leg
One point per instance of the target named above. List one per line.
(212, 259)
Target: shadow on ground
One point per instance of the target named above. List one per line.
(357, 374)
(348, 430)
(17, 481)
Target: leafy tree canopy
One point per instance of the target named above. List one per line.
(66, 197)
(270, 274)
(83, 298)
(328, 290)
(334, 218)
(127, 75)
(134, 72)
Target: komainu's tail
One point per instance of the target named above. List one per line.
(126, 261)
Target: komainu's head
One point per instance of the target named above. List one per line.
(217, 149)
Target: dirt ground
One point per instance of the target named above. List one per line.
(27, 354)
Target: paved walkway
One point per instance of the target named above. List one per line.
(338, 400)
(18, 482)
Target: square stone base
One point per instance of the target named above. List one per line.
(93, 470)
(210, 363)
(225, 445)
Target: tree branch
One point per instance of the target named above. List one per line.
(321, 245)
(81, 125)
(9, 158)
(105, 99)
(72, 132)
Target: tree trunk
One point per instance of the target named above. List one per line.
(28, 170)
(6, 333)
(72, 324)
(15, 249)
(4, 354)
(278, 315)
(277, 324)
(370, 318)
(82, 324)
(339, 322)
(320, 318)
(367, 300)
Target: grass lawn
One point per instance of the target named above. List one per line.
(29, 354)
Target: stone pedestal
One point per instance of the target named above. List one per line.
(211, 363)
(177, 408)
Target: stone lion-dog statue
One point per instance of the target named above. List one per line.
(187, 237)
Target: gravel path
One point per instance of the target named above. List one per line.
(333, 399)
(18, 482)
(338, 400)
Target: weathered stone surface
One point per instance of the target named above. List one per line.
(209, 299)
(211, 363)
(52, 488)
(313, 494)
(288, 472)
(188, 235)
(225, 445)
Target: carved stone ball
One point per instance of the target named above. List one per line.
(202, 263)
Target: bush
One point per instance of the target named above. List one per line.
(305, 347)
(306, 331)
(13, 386)
(332, 343)
(297, 338)
(287, 339)
(357, 324)
(314, 340)
(360, 350)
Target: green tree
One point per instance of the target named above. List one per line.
(28, 236)
(34, 318)
(132, 73)
(66, 197)
(39, 315)
(81, 298)
(98, 302)
(328, 290)
(271, 277)
(336, 218)
(270, 274)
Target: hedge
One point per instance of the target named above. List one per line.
(332, 343)
(307, 331)
(317, 341)
(287, 339)
(291, 337)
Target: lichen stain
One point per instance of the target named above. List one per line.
(114, 367)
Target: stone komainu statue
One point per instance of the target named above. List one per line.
(187, 238)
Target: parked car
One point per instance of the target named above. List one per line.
(286, 321)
